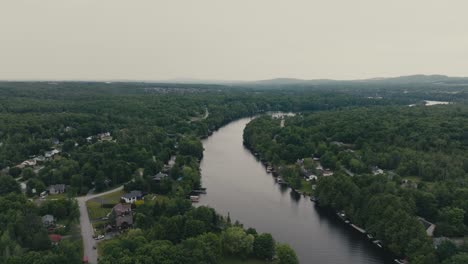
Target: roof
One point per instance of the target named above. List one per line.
(159, 176)
(55, 238)
(121, 208)
(132, 194)
(58, 187)
(48, 218)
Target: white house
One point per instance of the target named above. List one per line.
(132, 196)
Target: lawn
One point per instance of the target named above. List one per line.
(112, 198)
(95, 210)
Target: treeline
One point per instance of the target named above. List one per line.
(172, 231)
(420, 150)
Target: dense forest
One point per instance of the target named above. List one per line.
(390, 165)
(91, 137)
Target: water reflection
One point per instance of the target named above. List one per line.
(238, 183)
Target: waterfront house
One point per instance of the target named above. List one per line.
(132, 196)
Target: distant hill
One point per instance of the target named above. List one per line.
(411, 79)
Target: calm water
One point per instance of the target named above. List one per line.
(237, 183)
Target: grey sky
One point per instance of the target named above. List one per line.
(236, 39)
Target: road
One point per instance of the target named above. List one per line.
(87, 230)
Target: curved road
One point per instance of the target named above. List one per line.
(87, 230)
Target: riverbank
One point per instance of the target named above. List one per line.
(238, 185)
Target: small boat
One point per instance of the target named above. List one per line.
(378, 243)
(370, 236)
(281, 181)
(399, 261)
(194, 198)
(347, 221)
(314, 198)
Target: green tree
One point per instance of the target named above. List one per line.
(286, 254)
(237, 242)
(264, 246)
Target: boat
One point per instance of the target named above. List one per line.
(370, 236)
(194, 198)
(378, 243)
(399, 261)
(314, 198)
(281, 181)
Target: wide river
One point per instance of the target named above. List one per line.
(238, 184)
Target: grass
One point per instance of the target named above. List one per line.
(95, 210)
(56, 196)
(306, 187)
(232, 260)
(112, 198)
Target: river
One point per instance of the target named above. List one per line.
(238, 184)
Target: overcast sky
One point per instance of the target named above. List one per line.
(231, 40)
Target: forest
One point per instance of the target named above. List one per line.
(91, 136)
(390, 164)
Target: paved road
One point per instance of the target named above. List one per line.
(87, 230)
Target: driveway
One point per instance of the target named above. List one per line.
(87, 230)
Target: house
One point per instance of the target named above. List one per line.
(327, 173)
(55, 239)
(30, 163)
(56, 189)
(159, 177)
(376, 170)
(121, 215)
(132, 196)
(104, 136)
(409, 184)
(48, 220)
(52, 153)
(312, 177)
(39, 158)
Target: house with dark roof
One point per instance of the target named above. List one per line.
(56, 188)
(132, 196)
(121, 215)
(159, 177)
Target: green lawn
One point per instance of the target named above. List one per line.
(95, 210)
(306, 187)
(231, 260)
(112, 198)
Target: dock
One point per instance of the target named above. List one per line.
(358, 229)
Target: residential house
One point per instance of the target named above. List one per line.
(121, 215)
(132, 196)
(56, 189)
(159, 177)
(48, 220)
(50, 154)
(409, 184)
(376, 170)
(29, 163)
